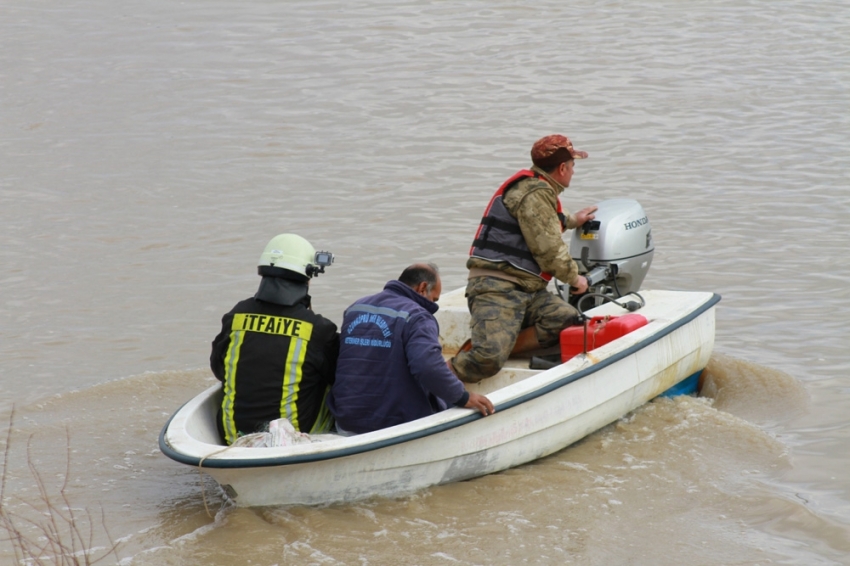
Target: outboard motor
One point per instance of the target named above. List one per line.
(613, 251)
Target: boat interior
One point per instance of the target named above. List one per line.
(453, 318)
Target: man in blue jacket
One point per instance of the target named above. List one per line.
(390, 368)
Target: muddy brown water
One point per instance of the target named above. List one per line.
(149, 150)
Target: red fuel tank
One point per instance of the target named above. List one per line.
(600, 331)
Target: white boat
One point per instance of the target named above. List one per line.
(538, 412)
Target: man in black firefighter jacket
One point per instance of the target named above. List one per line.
(275, 357)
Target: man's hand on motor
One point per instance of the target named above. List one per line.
(480, 402)
(580, 286)
(585, 214)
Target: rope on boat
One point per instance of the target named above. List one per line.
(201, 477)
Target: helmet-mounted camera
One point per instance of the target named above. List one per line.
(320, 261)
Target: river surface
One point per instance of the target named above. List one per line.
(150, 149)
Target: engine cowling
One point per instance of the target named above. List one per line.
(614, 251)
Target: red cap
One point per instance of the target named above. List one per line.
(546, 147)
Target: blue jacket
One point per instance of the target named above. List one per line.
(390, 368)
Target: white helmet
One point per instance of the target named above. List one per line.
(292, 253)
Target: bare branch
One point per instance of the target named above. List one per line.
(55, 535)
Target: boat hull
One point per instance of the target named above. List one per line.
(537, 413)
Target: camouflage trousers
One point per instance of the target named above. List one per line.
(499, 311)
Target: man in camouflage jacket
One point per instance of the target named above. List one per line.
(516, 251)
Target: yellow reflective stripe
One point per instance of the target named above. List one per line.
(268, 324)
(231, 362)
(292, 374)
(324, 420)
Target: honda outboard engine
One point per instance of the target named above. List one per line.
(614, 250)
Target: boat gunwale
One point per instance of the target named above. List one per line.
(229, 463)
